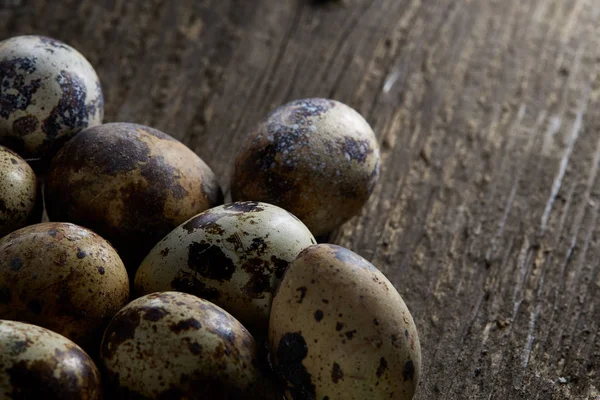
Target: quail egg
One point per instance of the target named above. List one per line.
(48, 93)
(176, 345)
(36, 363)
(233, 255)
(19, 202)
(62, 277)
(340, 330)
(129, 183)
(317, 158)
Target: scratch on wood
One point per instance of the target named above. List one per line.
(391, 80)
(553, 128)
(564, 162)
(522, 267)
(531, 331)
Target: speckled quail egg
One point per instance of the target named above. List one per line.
(48, 93)
(129, 183)
(19, 202)
(340, 330)
(233, 255)
(317, 158)
(62, 277)
(36, 363)
(176, 345)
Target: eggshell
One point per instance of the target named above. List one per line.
(36, 363)
(19, 203)
(175, 345)
(48, 93)
(129, 183)
(233, 255)
(340, 330)
(317, 158)
(62, 277)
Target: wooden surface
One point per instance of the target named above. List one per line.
(488, 116)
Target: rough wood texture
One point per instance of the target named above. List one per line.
(488, 115)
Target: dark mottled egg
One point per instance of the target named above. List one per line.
(48, 93)
(129, 183)
(18, 193)
(233, 255)
(175, 345)
(36, 363)
(317, 158)
(340, 330)
(62, 277)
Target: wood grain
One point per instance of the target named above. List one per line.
(488, 116)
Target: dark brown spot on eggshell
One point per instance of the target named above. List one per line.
(35, 380)
(280, 266)
(20, 346)
(71, 112)
(16, 264)
(350, 334)
(16, 93)
(121, 329)
(318, 315)
(336, 373)
(164, 175)
(210, 261)
(258, 246)
(356, 150)
(408, 373)
(195, 348)
(260, 278)
(291, 351)
(382, 367)
(188, 283)
(302, 291)
(154, 314)
(187, 324)
(25, 125)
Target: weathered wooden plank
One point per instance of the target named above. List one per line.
(487, 113)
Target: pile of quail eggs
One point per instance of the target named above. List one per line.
(145, 285)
